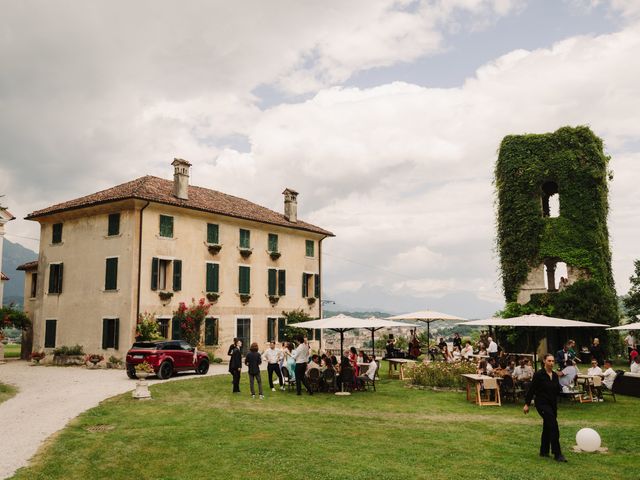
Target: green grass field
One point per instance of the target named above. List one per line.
(6, 392)
(12, 351)
(198, 429)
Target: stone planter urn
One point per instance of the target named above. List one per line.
(142, 387)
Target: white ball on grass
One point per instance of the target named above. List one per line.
(588, 440)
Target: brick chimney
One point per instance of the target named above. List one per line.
(290, 205)
(181, 178)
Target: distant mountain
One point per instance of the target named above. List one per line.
(356, 314)
(14, 254)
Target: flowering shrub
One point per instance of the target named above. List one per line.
(147, 328)
(144, 367)
(440, 374)
(191, 319)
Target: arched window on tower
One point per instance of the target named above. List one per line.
(556, 276)
(550, 200)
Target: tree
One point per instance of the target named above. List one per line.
(294, 317)
(632, 301)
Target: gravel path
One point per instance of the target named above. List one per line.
(48, 397)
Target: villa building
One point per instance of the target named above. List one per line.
(148, 244)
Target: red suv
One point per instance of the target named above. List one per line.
(166, 357)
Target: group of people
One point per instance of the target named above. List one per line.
(296, 363)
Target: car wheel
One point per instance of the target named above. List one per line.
(166, 370)
(203, 367)
(131, 371)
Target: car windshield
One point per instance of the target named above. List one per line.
(145, 345)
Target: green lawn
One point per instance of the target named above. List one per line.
(6, 392)
(12, 351)
(198, 429)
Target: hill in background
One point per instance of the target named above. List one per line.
(14, 254)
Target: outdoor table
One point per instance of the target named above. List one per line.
(401, 363)
(476, 379)
(587, 388)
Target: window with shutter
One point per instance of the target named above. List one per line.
(50, 333)
(245, 238)
(155, 266)
(212, 233)
(244, 280)
(166, 226)
(55, 278)
(282, 282)
(177, 275)
(176, 332)
(111, 275)
(271, 329)
(316, 286)
(305, 284)
(309, 248)
(211, 331)
(273, 242)
(110, 333)
(34, 284)
(56, 236)
(282, 323)
(114, 224)
(272, 282)
(212, 280)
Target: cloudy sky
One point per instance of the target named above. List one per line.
(385, 115)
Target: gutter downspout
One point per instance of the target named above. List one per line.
(139, 262)
(321, 285)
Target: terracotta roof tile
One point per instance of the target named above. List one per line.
(28, 266)
(161, 191)
(7, 212)
(3, 276)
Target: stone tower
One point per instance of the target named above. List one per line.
(552, 202)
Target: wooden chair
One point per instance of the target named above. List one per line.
(508, 388)
(346, 377)
(489, 385)
(286, 378)
(329, 380)
(314, 379)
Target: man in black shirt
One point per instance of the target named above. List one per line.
(546, 388)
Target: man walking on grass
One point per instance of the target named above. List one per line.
(545, 387)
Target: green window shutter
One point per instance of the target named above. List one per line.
(50, 334)
(176, 333)
(245, 238)
(282, 323)
(177, 275)
(282, 282)
(56, 236)
(210, 337)
(271, 329)
(105, 333)
(114, 224)
(155, 265)
(212, 233)
(244, 280)
(111, 275)
(60, 269)
(166, 226)
(309, 244)
(116, 333)
(273, 242)
(316, 285)
(53, 273)
(305, 286)
(272, 284)
(318, 334)
(213, 271)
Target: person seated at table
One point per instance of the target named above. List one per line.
(457, 353)
(466, 351)
(562, 356)
(370, 374)
(345, 369)
(353, 359)
(510, 368)
(635, 365)
(609, 375)
(441, 343)
(482, 350)
(594, 369)
(362, 357)
(484, 368)
(313, 364)
(334, 361)
(446, 354)
(567, 376)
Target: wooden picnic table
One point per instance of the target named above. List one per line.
(476, 380)
(401, 362)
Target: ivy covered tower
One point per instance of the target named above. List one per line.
(552, 224)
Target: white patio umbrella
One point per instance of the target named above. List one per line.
(427, 316)
(532, 320)
(628, 326)
(375, 324)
